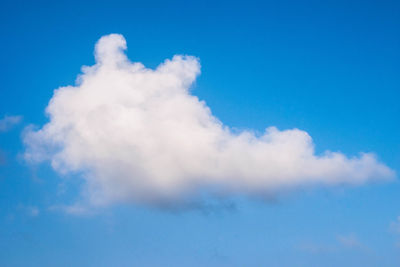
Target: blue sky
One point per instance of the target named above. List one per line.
(330, 69)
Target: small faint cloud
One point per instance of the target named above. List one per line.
(8, 122)
(315, 248)
(75, 209)
(395, 226)
(33, 211)
(350, 241)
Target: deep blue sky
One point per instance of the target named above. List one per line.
(330, 68)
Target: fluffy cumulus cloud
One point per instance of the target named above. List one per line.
(138, 134)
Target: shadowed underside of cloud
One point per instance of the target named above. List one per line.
(137, 134)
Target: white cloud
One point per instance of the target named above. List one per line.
(8, 122)
(137, 134)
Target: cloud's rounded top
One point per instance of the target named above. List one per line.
(110, 50)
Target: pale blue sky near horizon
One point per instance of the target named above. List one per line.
(330, 68)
